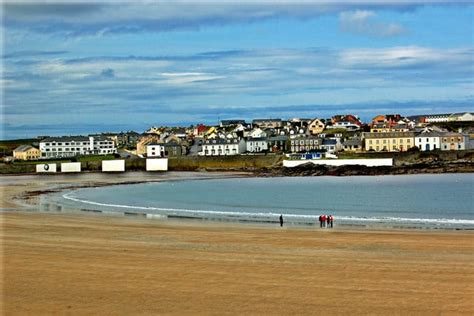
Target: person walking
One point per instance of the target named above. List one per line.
(281, 220)
(331, 220)
(320, 221)
(323, 221)
(328, 220)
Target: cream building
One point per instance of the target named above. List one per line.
(26, 152)
(391, 141)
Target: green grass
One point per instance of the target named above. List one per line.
(95, 158)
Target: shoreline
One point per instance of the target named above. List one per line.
(22, 194)
(87, 263)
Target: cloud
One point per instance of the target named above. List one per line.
(107, 73)
(364, 22)
(32, 53)
(99, 18)
(199, 87)
(408, 58)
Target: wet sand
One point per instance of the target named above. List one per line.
(97, 264)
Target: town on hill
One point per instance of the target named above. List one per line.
(299, 138)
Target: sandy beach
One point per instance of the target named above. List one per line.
(57, 263)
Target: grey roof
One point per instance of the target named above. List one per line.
(219, 141)
(389, 135)
(438, 115)
(430, 134)
(266, 120)
(232, 122)
(66, 139)
(257, 139)
(23, 148)
(352, 142)
(278, 138)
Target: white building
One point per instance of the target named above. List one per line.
(257, 133)
(155, 150)
(462, 117)
(437, 118)
(345, 125)
(428, 141)
(71, 146)
(257, 145)
(223, 147)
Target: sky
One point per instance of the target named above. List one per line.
(96, 66)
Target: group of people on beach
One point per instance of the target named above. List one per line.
(326, 221)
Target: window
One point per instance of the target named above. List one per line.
(67, 144)
(427, 140)
(408, 141)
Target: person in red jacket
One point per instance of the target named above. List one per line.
(323, 219)
(331, 220)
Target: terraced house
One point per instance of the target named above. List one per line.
(223, 147)
(391, 141)
(304, 143)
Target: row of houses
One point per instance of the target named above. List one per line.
(391, 132)
(377, 142)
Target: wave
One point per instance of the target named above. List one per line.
(270, 215)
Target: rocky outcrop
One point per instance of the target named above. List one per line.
(310, 169)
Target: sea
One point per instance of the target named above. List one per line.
(441, 201)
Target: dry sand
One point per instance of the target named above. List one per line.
(96, 264)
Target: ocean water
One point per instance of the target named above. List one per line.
(418, 201)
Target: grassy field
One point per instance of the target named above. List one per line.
(244, 162)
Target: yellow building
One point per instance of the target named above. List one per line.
(316, 127)
(26, 152)
(390, 141)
